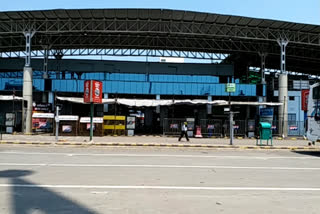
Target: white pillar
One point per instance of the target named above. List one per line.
(27, 96)
(283, 90)
(105, 106)
(44, 97)
(283, 109)
(51, 100)
(209, 106)
(27, 86)
(157, 107)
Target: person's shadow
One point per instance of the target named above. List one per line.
(28, 197)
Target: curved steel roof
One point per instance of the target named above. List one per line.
(156, 14)
(157, 29)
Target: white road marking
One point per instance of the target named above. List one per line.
(162, 187)
(97, 192)
(160, 155)
(160, 166)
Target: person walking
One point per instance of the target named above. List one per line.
(184, 129)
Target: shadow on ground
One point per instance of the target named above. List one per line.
(312, 153)
(28, 197)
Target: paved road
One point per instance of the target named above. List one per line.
(156, 180)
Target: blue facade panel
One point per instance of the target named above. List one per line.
(183, 78)
(124, 83)
(38, 84)
(11, 84)
(126, 77)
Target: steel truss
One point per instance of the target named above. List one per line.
(119, 52)
(156, 27)
(141, 45)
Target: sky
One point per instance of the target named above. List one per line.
(302, 11)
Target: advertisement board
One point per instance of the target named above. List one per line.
(266, 115)
(95, 120)
(42, 115)
(304, 99)
(68, 118)
(131, 122)
(66, 128)
(92, 91)
(41, 124)
(10, 119)
(93, 126)
(43, 107)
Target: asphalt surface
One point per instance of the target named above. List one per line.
(93, 180)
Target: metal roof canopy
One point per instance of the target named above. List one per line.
(67, 31)
(164, 102)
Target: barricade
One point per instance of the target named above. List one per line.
(211, 128)
(239, 128)
(295, 128)
(172, 126)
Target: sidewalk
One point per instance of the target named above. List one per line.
(155, 141)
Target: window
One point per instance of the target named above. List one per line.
(316, 92)
(291, 98)
(291, 119)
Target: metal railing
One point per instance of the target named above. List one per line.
(239, 128)
(211, 128)
(295, 128)
(172, 126)
(220, 128)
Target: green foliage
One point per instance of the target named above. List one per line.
(253, 78)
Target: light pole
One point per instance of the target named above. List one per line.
(91, 120)
(57, 123)
(230, 87)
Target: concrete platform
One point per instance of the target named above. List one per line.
(156, 141)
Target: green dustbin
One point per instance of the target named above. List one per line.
(265, 132)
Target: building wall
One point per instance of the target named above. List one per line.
(294, 105)
(154, 87)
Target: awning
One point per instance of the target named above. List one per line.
(10, 97)
(153, 102)
(239, 103)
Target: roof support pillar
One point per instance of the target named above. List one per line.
(209, 106)
(27, 86)
(28, 35)
(58, 56)
(283, 90)
(263, 57)
(45, 71)
(105, 106)
(262, 97)
(158, 107)
(45, 61)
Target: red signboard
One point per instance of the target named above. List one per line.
(304, 99)
(92, 91)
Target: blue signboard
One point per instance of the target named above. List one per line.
(266, 112)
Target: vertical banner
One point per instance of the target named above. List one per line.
(304, 99)
(92, 91)
(86, 95)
